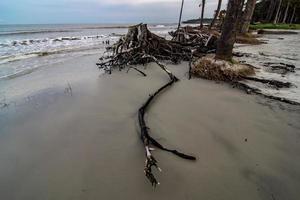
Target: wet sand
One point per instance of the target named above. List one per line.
(58, 143)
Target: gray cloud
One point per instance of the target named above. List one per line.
(102, 11)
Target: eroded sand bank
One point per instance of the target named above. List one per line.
(85, 145)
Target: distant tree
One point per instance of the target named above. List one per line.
(247, 16)
(276, 19)
(293, 15)
(286, 12)
(228, 35)
(277, 11)
(271, 10)
(216, 14)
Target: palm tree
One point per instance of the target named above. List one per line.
(180, 15)
(292, 17)
(228, 36)
(202, 13)
(247, 15)
(271, 10)
(216, 14)
(286, 12)
(277, 12)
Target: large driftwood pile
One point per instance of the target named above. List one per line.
(139, 42)
(200, 40)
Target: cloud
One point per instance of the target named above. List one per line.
(122, 2)
(101, 11)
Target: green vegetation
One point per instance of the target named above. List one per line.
(275, 26)
(197, 21)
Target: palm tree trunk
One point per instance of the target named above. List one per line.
(280, 16)
(228, 36)
(292, 18)
(247, 16)
(277, 12)
(239, 24)
(202, 13)
(216, 14)
(286, 12)
(271, 10)
(180, 15)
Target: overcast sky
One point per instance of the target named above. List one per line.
(100, 11)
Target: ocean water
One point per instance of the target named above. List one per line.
(26, 48)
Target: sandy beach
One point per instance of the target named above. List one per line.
(67, 131)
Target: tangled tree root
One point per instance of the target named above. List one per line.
(220, 70)
(139, 47)
(139, 41)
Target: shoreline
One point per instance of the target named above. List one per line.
(85, 144)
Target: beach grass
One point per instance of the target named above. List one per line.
(275, 26)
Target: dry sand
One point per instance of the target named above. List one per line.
(56, 145)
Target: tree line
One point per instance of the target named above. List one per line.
(240, 13)
(277, 11)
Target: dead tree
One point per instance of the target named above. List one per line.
(139, 41)
(140, 46)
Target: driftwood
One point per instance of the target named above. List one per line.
(146, 138)
(139, 41)
(211, 69)
(281, 68)
(257, 91)
(187, 42)
(274, 83)
(241, 54)
(139, 47)
(136, 69)
(200, 41)
(263, 31)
